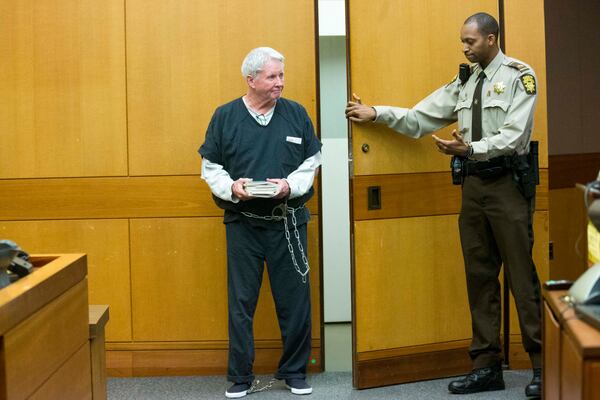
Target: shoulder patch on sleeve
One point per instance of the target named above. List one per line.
(519, 66)
(528, 82)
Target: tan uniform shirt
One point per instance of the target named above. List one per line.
(508, 103)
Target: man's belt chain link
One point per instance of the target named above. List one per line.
(280, 213)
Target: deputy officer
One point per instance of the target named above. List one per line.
(494, 107)
(264, 137)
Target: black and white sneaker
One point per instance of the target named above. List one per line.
(237, 390)
(298, 386)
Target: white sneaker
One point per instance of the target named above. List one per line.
(298, 386)
(237, 390)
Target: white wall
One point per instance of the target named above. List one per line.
(332, 18)
(337, 298)
(335, 180)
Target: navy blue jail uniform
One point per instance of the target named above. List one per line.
(246, 149)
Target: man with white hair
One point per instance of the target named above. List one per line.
(259, 158)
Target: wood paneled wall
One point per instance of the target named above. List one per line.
(62, 89)
(573, 139)
(102, 108)
(573, 80)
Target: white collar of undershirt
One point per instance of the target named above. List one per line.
(262, 119)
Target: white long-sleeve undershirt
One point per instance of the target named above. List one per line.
(300, 180)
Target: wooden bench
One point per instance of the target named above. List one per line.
(98, 318)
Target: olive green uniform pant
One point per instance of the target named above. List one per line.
(496, 228)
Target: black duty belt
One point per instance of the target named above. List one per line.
(491, 168)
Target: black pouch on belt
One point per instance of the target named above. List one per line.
(458, 173)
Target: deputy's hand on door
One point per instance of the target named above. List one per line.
(356, 111)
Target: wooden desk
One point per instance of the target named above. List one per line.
(571, 352)
(44, 332)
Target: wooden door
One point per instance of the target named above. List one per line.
(410, 310)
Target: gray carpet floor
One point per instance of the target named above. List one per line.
(326, 386)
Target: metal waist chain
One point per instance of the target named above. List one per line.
(280, 213)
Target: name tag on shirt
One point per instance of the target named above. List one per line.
(294, 139)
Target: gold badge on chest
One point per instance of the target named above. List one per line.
(499, 87)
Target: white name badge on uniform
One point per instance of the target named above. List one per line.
(294, 139)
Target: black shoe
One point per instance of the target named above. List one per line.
(298, 386)
(237, 390)
(534, 389)
(479, 380)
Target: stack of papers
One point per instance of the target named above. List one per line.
(261, 188)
